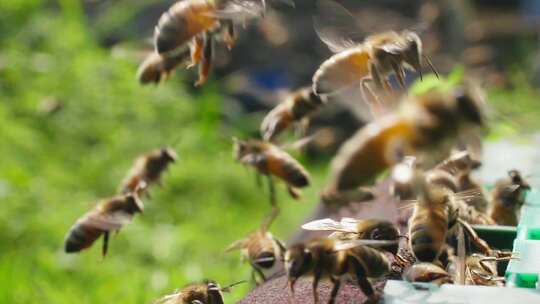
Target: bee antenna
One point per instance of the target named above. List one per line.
(228, 287)
(431, 66)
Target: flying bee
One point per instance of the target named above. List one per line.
(324, 258)
(208, 292)
(368, 63)
(109, 215)
(507, 198)
(270, 160)
(194, 25)
(426, 126)
(364, 229)
(260, 249)
(427, 272)
(147, 169)
(297, 107)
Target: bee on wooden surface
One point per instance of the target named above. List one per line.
(148, 169)
(361, 229)
(426, 126)
(208, 292)
(324, 258)
(270, 160)
(507, 198)
(297, 107)
(109, 215)
(367, 63)
(428, 273)
(260, 248)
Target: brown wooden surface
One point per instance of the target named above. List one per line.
(275, 289)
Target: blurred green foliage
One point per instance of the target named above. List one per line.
(54, 167)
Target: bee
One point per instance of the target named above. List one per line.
(460, 164)
(270, 160)
(208, 292)
(436, 216)
(482, 270)
(401, 186)
(109, 215)
(428, 225)
(507, 198)
(298, 106)
(332, 259)
(147, 169)
(195, 24)
(364, 229)
(260, 249)
(368, 63)
(425, 126)
(427, 272)
(156, 68)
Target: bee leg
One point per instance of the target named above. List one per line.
(301, 127)
(207, 56)
(258, 179)
(105, 244)
(431, 66)
(196, 49)
(477, 241)
(335, 290)
(369, 96)
(315, 285)
(294, 193)
(400, 74)
(272, 191)
(229, 36)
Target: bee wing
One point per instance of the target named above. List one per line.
(328, 224)
(108, 222)
(240, 10)
(469, 195)
(335, 26)
(344, 245)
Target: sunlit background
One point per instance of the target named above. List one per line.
(73, 118)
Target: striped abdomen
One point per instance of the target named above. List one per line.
(427, 231)
(288, 169)
(81, 236)
(373, 261)
(181, 23)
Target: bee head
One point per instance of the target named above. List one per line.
(470, 105)
(413, 52)
(214, 292)
(297, 261)
(168, 154)
(135, 205)
(265, 259)
(517, 179)
(240, 148)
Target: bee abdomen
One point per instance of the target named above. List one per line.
(296, 175)
(81, 237)
(305, 104)
(182, 22)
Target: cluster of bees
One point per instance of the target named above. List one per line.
(423, 141)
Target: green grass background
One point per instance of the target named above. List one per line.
(54, 168)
